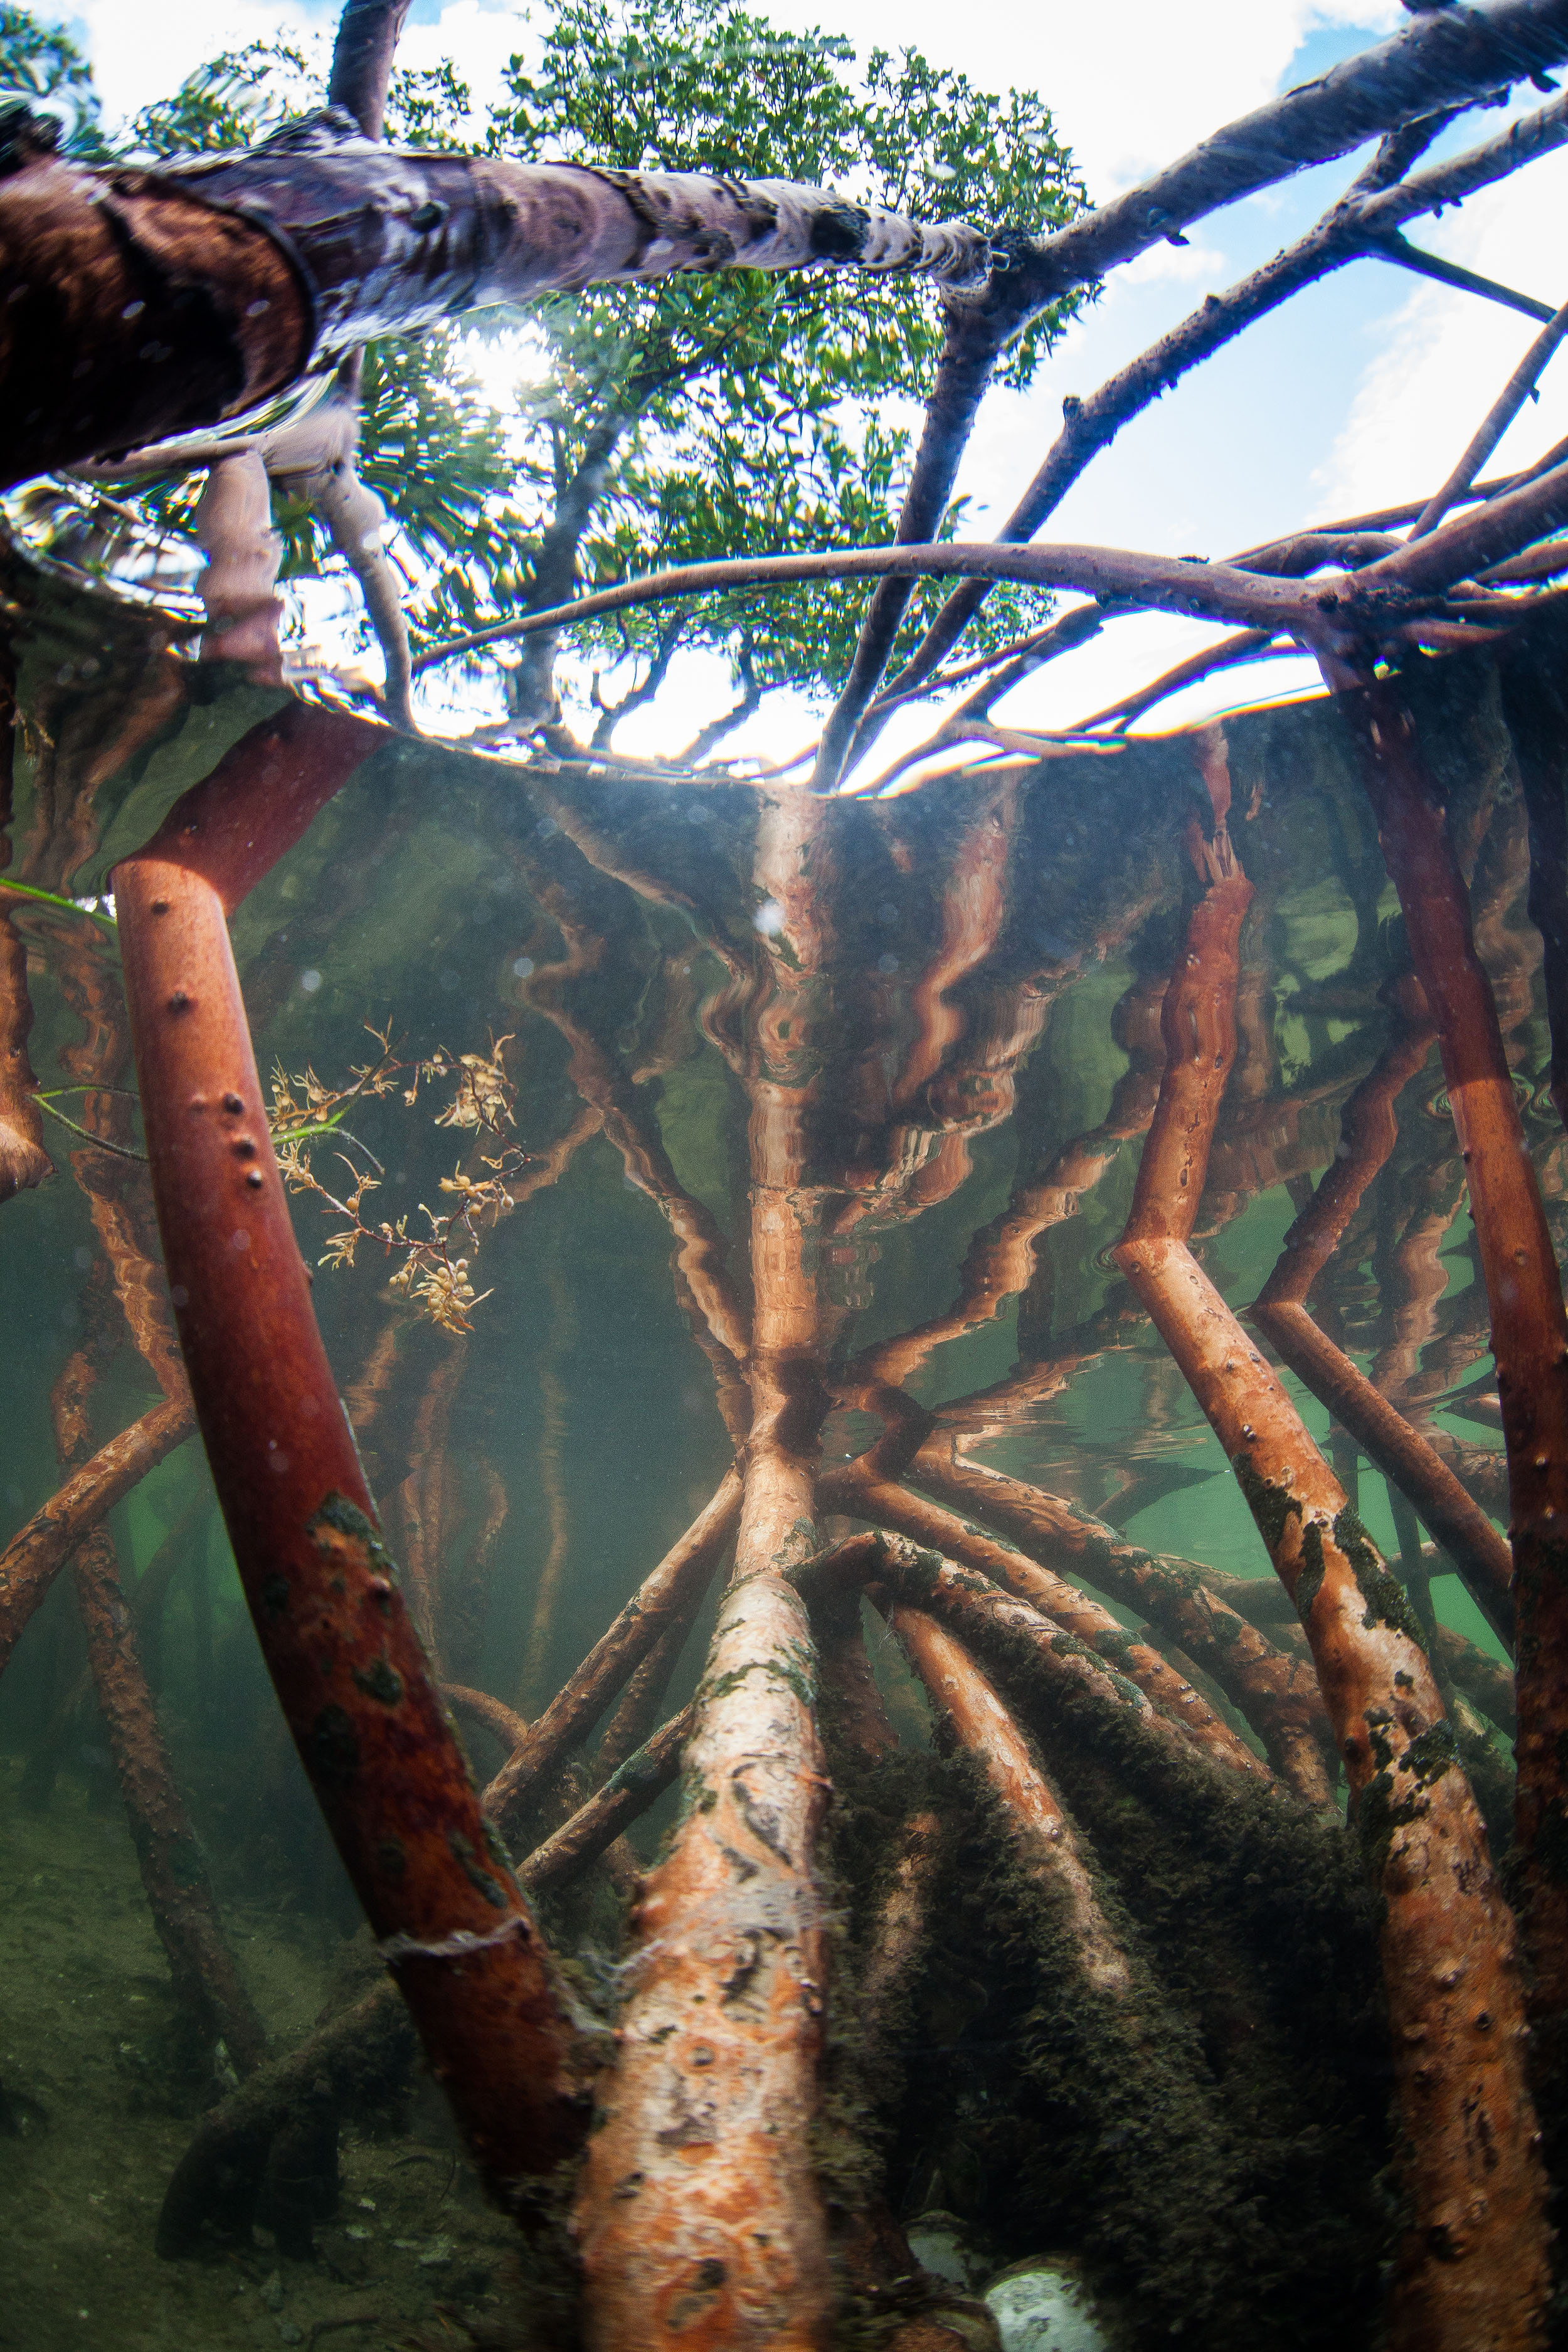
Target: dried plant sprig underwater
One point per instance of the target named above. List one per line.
(433, 1280)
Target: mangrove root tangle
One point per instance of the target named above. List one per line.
(1473, 2263)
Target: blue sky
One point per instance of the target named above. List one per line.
(1361, 391)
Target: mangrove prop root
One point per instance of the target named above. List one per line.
(924, 1522)
(699, 2209)
(1041, 1835)
(697, 2205)
(375, 1740)
(1278, 1695)
(1530, 1331)
(356, 2059)
(897, 1935)
(366, 2051)
(207, 1985)
(637, 1712)
(1472, 2264)
(1484, 1682)
(561, 1332)
(855, 1720)
(626, 1794)
(1368, 1135)
(1041, 1668)
(23, 1159)
(681, 1575)
(36, 1552)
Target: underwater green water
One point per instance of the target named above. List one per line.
(606, 926)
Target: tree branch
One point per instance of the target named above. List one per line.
(1494, 424)
(1449, 58)
(368, 33)
(1369, 209)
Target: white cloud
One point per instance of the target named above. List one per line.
(135, 65)
(1132, 83)
(134, 70)
(1445, 356)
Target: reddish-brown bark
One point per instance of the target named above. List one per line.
(35, 1554)
(23, 1159)
(1530, 1329)
(1473, 2264)
(372, 1732)
(1280, 1312)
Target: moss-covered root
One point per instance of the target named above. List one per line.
(1276, 1694)
(890, 1504)
(1040, 1833)
(358, 2059)
(1108, 2061)
(897, 1931)
(1473, 2266)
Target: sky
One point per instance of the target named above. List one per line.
(1361, 392)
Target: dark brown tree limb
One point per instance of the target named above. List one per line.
(35, 1554)
(367, 42)
(1478, 1552)
(1165, 584)
(152, 303)
(1448, 59)
(1521, 384)
(975, 333)
(1369, 208)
